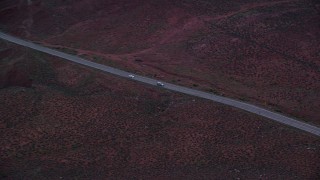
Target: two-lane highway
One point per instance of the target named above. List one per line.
(223, 100)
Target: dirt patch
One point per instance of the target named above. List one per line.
(15, 77)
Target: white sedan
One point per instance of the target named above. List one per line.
(160, 83)
(131, 76)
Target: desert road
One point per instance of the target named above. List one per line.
(220, 99)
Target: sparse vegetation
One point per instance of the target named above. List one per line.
(76, 123)
(213, 91)
(68, 51)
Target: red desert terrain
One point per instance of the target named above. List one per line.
(60, 120)
(263, 52)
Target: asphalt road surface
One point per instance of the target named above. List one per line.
(223, 100)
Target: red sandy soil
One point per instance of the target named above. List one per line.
(76, 123)
(264, 52)
(246, 50)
